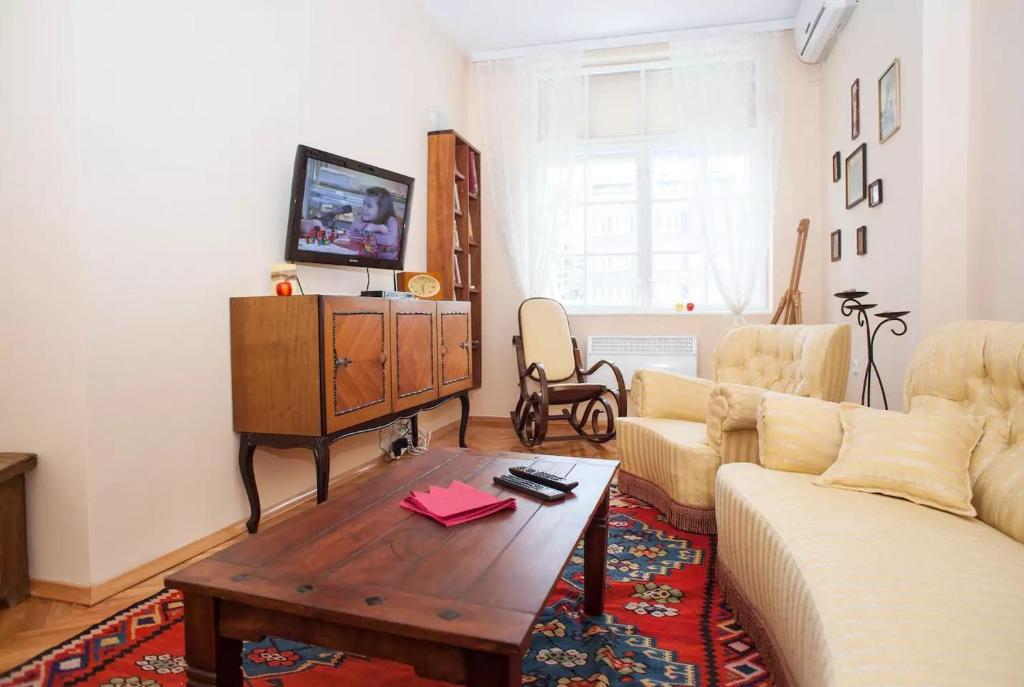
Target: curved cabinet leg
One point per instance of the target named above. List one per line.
(246, 449)
(322, 457)
(464, 420)
(414, 426)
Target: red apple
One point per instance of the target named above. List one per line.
(284, 288)
(689, 307)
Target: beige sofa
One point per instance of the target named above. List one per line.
(843, 588)
(680, 429)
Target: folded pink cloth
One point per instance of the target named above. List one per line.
(456, 504)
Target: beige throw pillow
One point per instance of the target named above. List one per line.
(921, 458)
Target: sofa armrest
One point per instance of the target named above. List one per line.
(798, 434)
(656, 393)
(732, 421)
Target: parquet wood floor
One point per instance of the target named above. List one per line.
(37, 624)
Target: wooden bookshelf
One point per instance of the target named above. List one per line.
(451, 176)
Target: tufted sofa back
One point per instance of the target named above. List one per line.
(805, 360)
(977, 368)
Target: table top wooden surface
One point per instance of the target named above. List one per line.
(14, 464)
(360, 560)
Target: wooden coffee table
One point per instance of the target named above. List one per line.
(361, 574)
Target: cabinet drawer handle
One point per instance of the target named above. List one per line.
(464, 345)
(383, 358)
(341, 362)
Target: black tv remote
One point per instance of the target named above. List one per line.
(528, 487)
(545, 478)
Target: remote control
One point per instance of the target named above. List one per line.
(545, 478)
(528, 487)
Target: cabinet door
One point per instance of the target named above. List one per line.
(357, 378)
(414, 350)
(455, 364)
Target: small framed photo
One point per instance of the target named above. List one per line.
(862, 240)
(836, 242)
(875, 193)
(889, 101)
(855, 110)
(857, 176)
(837, 167)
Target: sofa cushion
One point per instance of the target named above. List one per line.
(859, 589)
(977, 368)
(798, 434)
(921, 458)
(671, 454)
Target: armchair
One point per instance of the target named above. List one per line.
(551, 373)
(684, 428)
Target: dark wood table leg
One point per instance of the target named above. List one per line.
(322, 457)
(595, 551)
(14, 586)
(213, 661)
(464, 420)
(246, 449)
(493, 670)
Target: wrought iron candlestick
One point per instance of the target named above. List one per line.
(893, 319)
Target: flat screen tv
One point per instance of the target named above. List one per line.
(345, 212)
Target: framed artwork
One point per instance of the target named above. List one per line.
(836, 242)
(837, 165)
(875, 193)
(857, 176)
(855, 110)
(862, 240)
(889, 101)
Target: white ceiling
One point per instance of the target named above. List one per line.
(478, 25)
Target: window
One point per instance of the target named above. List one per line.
(630, 237)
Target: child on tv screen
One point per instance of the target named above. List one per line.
(348, 212)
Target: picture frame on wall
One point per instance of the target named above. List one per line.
(875, 193)
(857, 176)
(855, 110)
(836, 245)
(889, 102)
(862, 240)
(837, 166)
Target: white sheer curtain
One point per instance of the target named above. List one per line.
(728, 103)
(529, 112)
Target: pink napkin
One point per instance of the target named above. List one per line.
(456, 504)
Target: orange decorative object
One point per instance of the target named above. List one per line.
(690, 307)
(284, 288)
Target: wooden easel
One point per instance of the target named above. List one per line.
(789, 311)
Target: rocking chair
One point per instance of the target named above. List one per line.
(548, 358)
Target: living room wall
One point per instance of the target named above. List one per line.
(145, 180)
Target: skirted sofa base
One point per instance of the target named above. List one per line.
(754, 625)
(687, 518)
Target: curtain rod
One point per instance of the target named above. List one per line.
(632, 40)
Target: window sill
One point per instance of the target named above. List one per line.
(665, 312)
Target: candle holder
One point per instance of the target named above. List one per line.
(851, 303)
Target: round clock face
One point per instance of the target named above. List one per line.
(424, 286)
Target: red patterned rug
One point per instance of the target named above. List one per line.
(665, 623)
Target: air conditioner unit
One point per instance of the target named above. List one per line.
(818, 23)
(636, 352)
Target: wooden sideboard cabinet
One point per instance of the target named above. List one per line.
(309, 370)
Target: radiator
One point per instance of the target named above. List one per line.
(631, 353)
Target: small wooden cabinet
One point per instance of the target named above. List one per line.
(308, 370)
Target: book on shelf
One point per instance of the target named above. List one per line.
(471, 174)
(458, 274)
(469, 228)
(469, 273)
(458, 206)
(455, 236)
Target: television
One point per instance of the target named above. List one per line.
(345, 212)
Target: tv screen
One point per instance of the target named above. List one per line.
(345, 212)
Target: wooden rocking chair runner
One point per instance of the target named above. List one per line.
(549, 360)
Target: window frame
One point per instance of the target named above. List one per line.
(643, 148)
